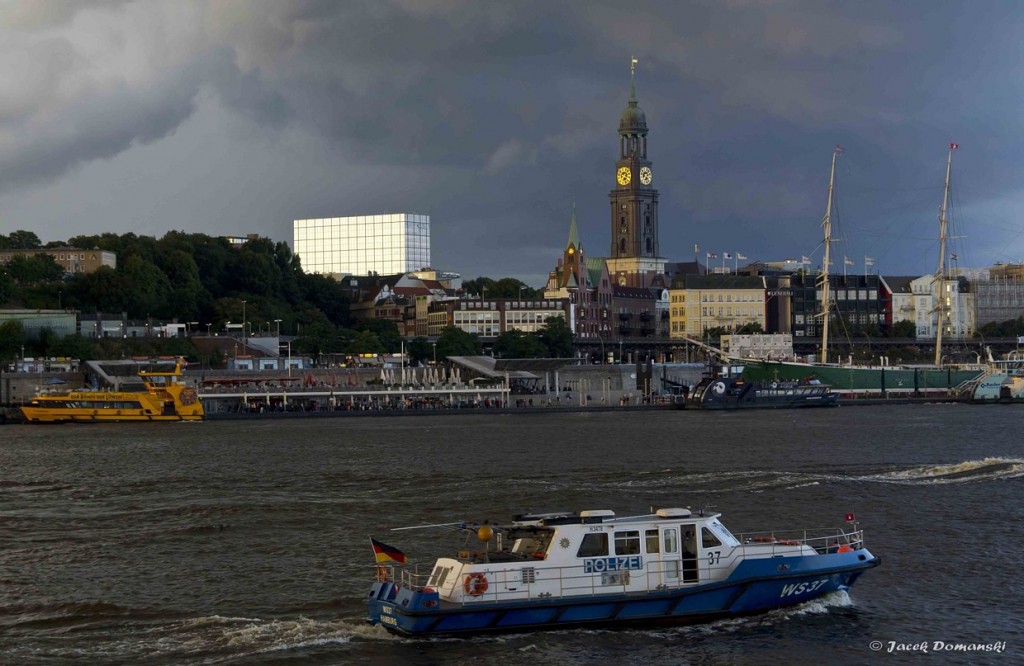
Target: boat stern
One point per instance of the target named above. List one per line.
(400, 609)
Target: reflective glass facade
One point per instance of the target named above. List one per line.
(384, 244)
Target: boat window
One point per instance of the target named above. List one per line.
(724, 531)
(671, 541)
(593, 545)
(627, 543)
(708, 539)
(438, 577)
(652, 541)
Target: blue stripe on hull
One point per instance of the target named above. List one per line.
(756, 586)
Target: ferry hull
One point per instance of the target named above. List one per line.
(757, 586)
(32, 415)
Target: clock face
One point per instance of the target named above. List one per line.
(623, 176)
(646, 176)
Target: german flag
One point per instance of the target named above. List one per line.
(385, 553)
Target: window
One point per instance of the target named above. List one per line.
(651, 536)
(627, 543)
(708, 539)
(593, 545)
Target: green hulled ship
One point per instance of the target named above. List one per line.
(861, 379)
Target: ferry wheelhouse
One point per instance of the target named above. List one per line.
(165, 398)
(592, 568)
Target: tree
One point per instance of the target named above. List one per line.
(33, 269)
(750, 328)
(386, 332)
(903, 329)
(517, 344)
(22, 240)
(557, 337)
(456, 342)
(12, 339)
(366, 342)
(419, 349)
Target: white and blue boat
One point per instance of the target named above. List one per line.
(592, 568)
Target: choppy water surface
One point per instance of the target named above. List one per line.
(246, 542)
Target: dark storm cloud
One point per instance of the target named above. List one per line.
(495, 117)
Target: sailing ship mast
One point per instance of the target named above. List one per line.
(940, 274)
(823, 277)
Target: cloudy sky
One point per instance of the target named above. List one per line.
(232, 117)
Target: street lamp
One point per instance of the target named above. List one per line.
(208, 329)
(243, 322)
(521, 288)
(434, 345)
(268, 328)
(278, 322)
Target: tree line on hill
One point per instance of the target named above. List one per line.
(198, 278)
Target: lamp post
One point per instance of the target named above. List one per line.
(268, 328)
(434, 345)
(208, 329)
(521, 288)
(243, 322)
(278, 322)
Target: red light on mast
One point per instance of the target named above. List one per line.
(850, 518)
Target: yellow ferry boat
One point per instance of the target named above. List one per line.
(165, 399)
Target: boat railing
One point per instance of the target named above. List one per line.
(524, 582)
(824, 540)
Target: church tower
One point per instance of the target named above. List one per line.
(634, 259)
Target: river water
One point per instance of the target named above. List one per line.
(247, 542)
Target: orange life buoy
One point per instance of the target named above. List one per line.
(844, 549)
(539, 555)
(475, 584)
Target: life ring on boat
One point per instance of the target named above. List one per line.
(775, 385)
(475, 584)
(844, 549)
(539, 555)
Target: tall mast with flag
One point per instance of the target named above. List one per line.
(823, 278)
(940, 273)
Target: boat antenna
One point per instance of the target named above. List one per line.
(823, 277)
(940, 274)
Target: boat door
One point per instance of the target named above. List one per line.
(690, 571)
(671, 565)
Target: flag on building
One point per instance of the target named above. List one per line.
(726, 255)
(839, 149)
(805, 260)
(712, 255)
(696, 248)
(953, 256)
(385, 553)
(848, 262)
(954, 146)
(868, 261)
(741, 257)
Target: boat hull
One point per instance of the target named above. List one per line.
(756, 586)
(862, 379)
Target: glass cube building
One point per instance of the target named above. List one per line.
(363, 245)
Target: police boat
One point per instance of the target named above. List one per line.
(592, 568)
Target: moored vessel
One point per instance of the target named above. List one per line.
(165, 398)
(879, 380)
(592, 568)
(728, 389)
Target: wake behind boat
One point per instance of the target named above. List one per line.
(560, 570)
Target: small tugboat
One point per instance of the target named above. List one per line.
(727, 389)
(561, 570)
(166, 398)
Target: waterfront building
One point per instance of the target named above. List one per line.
(701, 302)
(585, 283)
(953, 296)
(897, 292)
(364, 244)
(857, 302)
(60, 323)
(490, 317)
(72, 259)
(999, 294)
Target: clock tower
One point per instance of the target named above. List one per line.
(634, 259)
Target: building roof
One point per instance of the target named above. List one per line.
(717, 281)
(899, 284)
